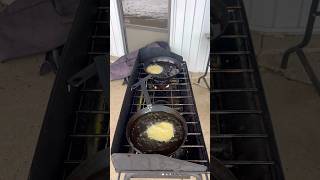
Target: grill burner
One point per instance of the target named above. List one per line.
(191, 158)
(241, 130)
(160, 85)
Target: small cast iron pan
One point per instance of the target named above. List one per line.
(171, 67)
(144, 118)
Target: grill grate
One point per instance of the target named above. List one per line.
(179, 97)
(90, 130)
(241, 130)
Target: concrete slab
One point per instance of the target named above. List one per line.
(295, 112)
(23, 100)
(270, 49)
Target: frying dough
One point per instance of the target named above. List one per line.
(162, 131)
(154, 69)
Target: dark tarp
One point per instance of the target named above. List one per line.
(33, 26)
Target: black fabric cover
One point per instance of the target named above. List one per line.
(33, 26)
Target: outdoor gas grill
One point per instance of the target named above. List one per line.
(241, 131)
(190, 160)
(76, 124)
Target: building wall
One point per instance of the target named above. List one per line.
(284, 16)
(116, 39)
(189, 29)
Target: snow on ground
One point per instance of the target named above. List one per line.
(157, 9)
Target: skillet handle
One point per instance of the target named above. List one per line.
(141, 82)
(145, 94)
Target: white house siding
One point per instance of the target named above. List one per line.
(116, 39)
(189, 24)
(285, 16)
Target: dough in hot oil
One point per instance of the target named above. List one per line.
(161, 131)
(154, 69)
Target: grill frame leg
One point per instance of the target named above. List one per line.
(298, 49)
(205, 74)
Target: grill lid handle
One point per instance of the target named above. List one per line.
(99, 66)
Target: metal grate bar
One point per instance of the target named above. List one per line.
(166, 97)
(232, 53)
(232, 70)
(235, 21)
(194, 134)
(198, 161)
(100, 37)
(234, 90)
(236, 112)
(98, 53)
(91, 90)
(88, 135)
(192, 122)
(72, 162)
(92, 112)
(234, 7)
(181, 113)
(103, 8)
(167, 104)
(248, 162)
(192, 146)
(222, 136)
(101, 22)
(159, 90)
(233, 36)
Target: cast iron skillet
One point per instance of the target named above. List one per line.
(144, 118)
(171, 67)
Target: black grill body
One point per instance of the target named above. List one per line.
(191, 157)
(242, 135)
(75, 116)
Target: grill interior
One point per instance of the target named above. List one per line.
(89, 130)
(241, 129)
(177, 94)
